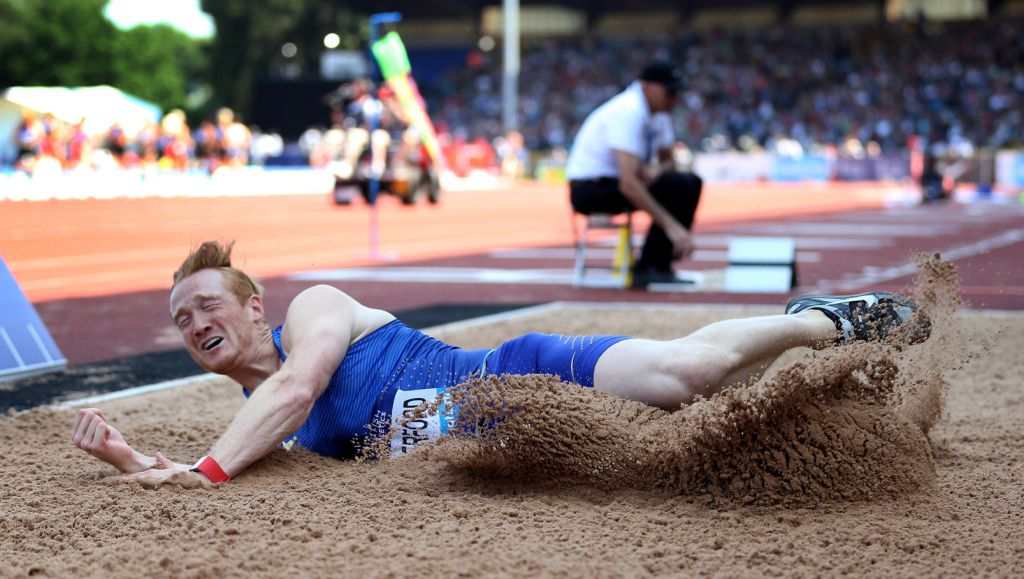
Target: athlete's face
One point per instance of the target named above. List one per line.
(219, 332)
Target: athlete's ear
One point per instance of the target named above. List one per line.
(255, 306)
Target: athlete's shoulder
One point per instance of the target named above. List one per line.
(319, 304)
(322, 289)
(325, 305)
(322, 313)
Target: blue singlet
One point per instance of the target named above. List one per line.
(395, 368)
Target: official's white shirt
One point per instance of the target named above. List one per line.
(624, 123)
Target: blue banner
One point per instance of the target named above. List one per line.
(803, 168)
(1018, 171)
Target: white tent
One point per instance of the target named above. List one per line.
(98, 107)
(10, 118)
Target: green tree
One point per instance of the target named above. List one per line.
(71, 43)
(157, 63)
(58, 42)
(12, 35)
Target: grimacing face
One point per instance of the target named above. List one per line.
(218, 331)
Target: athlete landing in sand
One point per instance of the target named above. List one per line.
(335, 367)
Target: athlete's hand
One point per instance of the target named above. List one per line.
(164, 471)
(94, 435)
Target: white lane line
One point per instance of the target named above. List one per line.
(874, 229)
(716, 240)
(557, 276)
(954, 214)
(147, 256)
(877, 275)
(87, 280)
(137, 390)
(832, 242)
(568, 253)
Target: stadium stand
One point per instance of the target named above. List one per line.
(958, 85)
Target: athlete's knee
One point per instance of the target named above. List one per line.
(694, 370)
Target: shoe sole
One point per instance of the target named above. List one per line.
(880, 296)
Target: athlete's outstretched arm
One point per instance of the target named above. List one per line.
(318, 329)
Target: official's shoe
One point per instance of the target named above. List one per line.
(645, 276)
(868, 316)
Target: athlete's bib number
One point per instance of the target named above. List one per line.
(409, 430)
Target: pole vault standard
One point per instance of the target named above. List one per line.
(392, 62)
(376, 22)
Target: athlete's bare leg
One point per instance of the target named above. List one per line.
(668, 374)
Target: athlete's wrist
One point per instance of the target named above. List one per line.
(138, 463)
(211, 470)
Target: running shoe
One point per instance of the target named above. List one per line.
(868, 316)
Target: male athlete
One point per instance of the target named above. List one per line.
(336, 367)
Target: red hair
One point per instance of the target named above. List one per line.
(214, 255)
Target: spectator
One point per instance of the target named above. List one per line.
(174, 144)
(44, 142)
(208, 146)
(959, 85)
(512, 154)
(235, 139)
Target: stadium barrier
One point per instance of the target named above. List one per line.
(734, 166)
(1008, 166)
(1010, 169)
(800, 168)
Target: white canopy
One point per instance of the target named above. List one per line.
(98, 107)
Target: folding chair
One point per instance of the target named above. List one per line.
(617, 274)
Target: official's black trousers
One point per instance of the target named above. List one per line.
(678, 193)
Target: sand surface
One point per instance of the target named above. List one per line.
(840, 462)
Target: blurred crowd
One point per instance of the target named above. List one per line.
(46, 144)
(958, 86)
(855, 90)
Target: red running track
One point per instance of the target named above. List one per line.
(99, 270)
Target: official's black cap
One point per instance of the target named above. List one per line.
(663, 73)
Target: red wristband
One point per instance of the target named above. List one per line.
(211, 470)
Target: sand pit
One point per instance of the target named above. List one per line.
(835, 463)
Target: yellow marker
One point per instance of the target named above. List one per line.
(623, 254)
